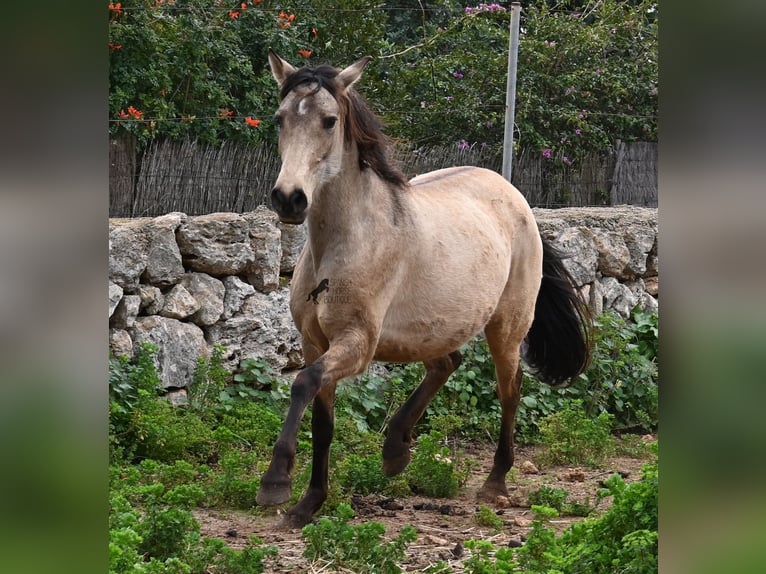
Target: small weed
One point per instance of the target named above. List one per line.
(557, 498)
(572, 437)
(357, 548)
(432, 471)
(550, 497)
(485, 516)
(633, 446)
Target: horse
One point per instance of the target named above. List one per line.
(414, 270)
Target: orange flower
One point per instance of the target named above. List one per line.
(305, 53)
(233, 14)
(243, 6)
(116, 8)
(252, 122)
(285, 20)
(137, 114)
(115, 46)
(225, 113)
(314, 32)
(123, 114)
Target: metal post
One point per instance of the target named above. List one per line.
(510, 91)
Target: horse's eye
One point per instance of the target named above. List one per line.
(329, 123)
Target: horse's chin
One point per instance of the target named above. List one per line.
(293, 220)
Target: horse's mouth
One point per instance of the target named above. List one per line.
(293, 220)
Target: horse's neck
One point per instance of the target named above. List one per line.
(350, 215)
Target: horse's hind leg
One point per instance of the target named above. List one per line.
(505, 353)
(396, 449)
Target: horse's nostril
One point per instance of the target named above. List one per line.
(298, 201)
(278, 198)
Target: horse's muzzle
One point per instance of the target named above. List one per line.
(291, 207)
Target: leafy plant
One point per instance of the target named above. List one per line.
(571, 437)
(210, 379)
(624, 539)
(358, 548)
(558, 499)
(485, 516)
(432, 471)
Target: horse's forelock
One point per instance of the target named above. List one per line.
(324, 76)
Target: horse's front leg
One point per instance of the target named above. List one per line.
(277, 483)
(347, 355)
(322, 426)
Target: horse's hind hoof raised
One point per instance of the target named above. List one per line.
(274, 494)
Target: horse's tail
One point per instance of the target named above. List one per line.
(557, 345)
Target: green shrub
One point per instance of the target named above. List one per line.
(557, 498)
(572, 437)
(551, 497)
(624, 539)
(470, 391)
(357, 548)
(432, 471)
(485, 516)
(141, 423)
(362, 475)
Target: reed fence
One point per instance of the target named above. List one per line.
(196, 178)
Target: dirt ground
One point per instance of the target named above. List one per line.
(443, 525)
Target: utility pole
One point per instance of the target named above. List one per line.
(510, 91)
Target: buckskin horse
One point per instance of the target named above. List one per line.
(425, 266)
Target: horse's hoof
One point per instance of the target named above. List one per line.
(490, 492)
(394, 466)
(274, 494)
(296, 520)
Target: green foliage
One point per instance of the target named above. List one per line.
(486, 559)
(197, 70)
(143, 425)
(485, 516)
(433, 470)
(359, 548)
(557, 498)
(363, 474)
(256, 380)
(210, 380)
(621, 379)
(572, 437)
(624, 539)
(551, 497)
(470, 391)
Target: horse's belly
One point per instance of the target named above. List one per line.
(427, 331)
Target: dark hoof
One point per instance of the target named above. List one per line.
(274, 494)
(296, 520)
(490, 491)
(395, 460)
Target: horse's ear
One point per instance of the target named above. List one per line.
(280, 69)
(348, 76)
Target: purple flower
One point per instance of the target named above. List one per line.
(468, 9)
(547, 153)
(568, 91)
(566, 160)
(462, 144)
(458, 75)
(448, 98)
(422, 103)
(578, 131)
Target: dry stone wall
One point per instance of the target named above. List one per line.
(185, 284)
